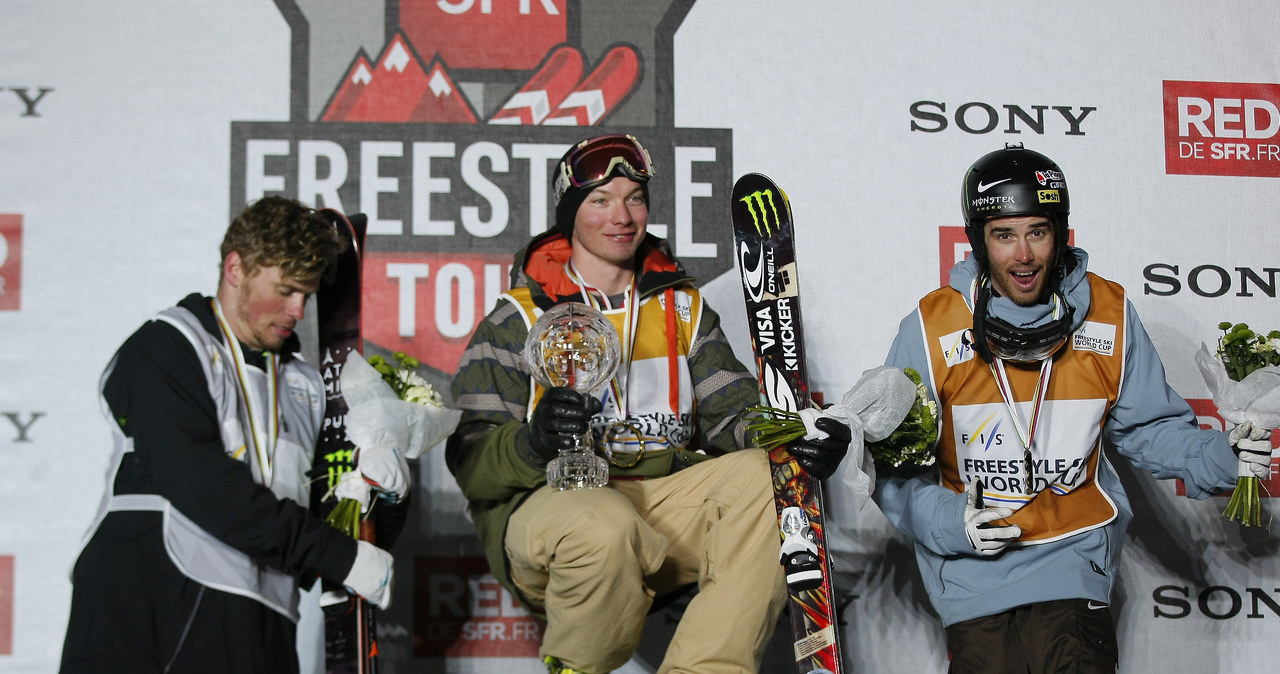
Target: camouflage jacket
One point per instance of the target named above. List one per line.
(488, 453)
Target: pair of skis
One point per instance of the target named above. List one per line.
(350, 645)
(766, 257)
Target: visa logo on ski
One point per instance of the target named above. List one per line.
(770, 332)
(955, 349)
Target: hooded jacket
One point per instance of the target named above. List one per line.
(1074, 553)
(488, 453)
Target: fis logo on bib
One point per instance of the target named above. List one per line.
(1096, 337)
(955, 349)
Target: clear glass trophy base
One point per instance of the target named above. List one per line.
(577, 469)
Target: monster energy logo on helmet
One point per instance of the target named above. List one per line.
(1011, 182)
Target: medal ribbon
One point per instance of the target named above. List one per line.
(1026, 433)
(630, 301)
(265, 427)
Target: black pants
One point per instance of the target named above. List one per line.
(133, 611)
(1070, 636)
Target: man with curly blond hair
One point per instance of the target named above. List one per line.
(194, 558)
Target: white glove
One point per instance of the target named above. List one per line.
(386, 469)
(371, 575)
(1253, 450)
(986, 541)
(351, 485)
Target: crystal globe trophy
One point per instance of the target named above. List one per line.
(574, 345)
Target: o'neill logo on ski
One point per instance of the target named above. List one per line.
(765, 248)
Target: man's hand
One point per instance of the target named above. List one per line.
(985, 539)
(372, 574)
(820, 457)
(385, 469)
(1253, 450)
(353, 486)
(561, 414)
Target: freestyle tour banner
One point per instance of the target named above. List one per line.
(441, 121)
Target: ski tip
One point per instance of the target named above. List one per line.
(752, 183)
(756, 196)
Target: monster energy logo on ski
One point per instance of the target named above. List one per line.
(756, 206)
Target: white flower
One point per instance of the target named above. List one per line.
(425, 395)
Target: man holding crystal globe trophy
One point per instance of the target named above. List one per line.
(604, 342)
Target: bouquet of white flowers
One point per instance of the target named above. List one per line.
(912, 441)
(1244, 379)
(389, 405)
(892, 419)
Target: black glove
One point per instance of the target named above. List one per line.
(561, 414)
(820, 458)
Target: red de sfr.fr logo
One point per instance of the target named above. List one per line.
(10, 262)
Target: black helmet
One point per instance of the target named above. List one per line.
(1009, 182)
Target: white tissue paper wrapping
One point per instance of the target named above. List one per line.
(1255, 398)
(872, 409)
(376, 416)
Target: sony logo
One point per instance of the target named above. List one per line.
(1218, 602)
(22, 428)
(28, 99)
(977, 118)
(1208, 280)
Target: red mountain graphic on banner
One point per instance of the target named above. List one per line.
(353, 85)
(401, 90)
(443, 102)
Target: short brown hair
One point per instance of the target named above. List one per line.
(280, 232)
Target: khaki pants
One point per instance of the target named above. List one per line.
(595, 558)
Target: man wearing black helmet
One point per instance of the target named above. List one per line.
(1036, 363)
(683, 504)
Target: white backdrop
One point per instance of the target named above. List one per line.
(115, 188)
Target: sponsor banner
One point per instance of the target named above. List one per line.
(460, 611)
(6, 605)
(1222, 128)
(428, 304)
(979, 117)
(486, 34)
(953, 248)
(10, 262)
(1215, 602)
(448, 206)
(1209, 280)
(20, 422)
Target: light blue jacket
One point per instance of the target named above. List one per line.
(1150, 425)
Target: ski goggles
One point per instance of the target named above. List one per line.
(596, 160)
(1023, 345)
